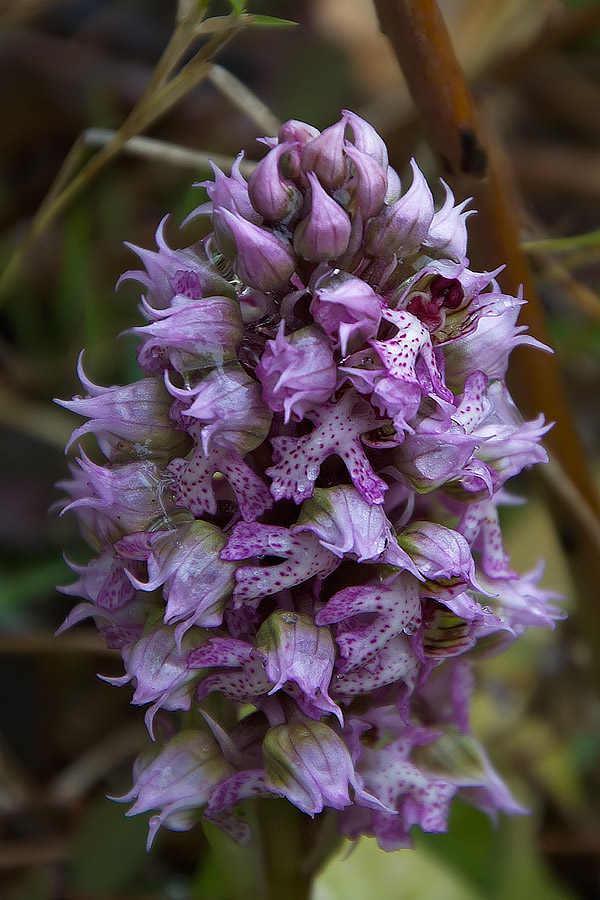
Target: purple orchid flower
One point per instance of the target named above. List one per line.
(298, 507)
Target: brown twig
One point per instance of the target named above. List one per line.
(420, 39)
(167, 153)
(245, 99)
(451, 121)
(33, 852)
(452, 124)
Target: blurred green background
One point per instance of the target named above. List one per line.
(68, 739)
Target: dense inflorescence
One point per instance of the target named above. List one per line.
(298, 511)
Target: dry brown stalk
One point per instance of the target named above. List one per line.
(469, 161)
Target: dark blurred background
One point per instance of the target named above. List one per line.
(68, 739)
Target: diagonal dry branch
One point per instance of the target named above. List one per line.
(471, 164)
(165, 88)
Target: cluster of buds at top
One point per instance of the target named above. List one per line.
(298, 508)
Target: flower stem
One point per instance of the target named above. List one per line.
(285, 850)
(281, 828)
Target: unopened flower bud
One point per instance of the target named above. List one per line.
(275, 197)
(325, 156)
(296, 135)
(368, 186)
(448, 231)
(365, 138)
(394, 186)
(228, 193)
(295, 132)
(402, 227)
(264, 261)
(325, 232)
(310, 765)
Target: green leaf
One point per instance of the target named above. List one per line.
(209, 880)
(108, 850)
(469, 847)
(29, 584)
(271, 21)
(238, 6)
(363, 871)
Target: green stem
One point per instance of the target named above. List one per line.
(562, 244)
(281, 828)
(286, 850)
(240, 866)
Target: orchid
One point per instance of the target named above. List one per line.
(299, 504)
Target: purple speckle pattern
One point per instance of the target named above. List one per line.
(298, 504)
(194, 488)
(337, 430)
(303, 558)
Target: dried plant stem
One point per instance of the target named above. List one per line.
(245, 99)
(36, 642)
(23, 854)
(422, 44)
(167, 153)
(420, 38)
(159, 96)
(423, 47)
